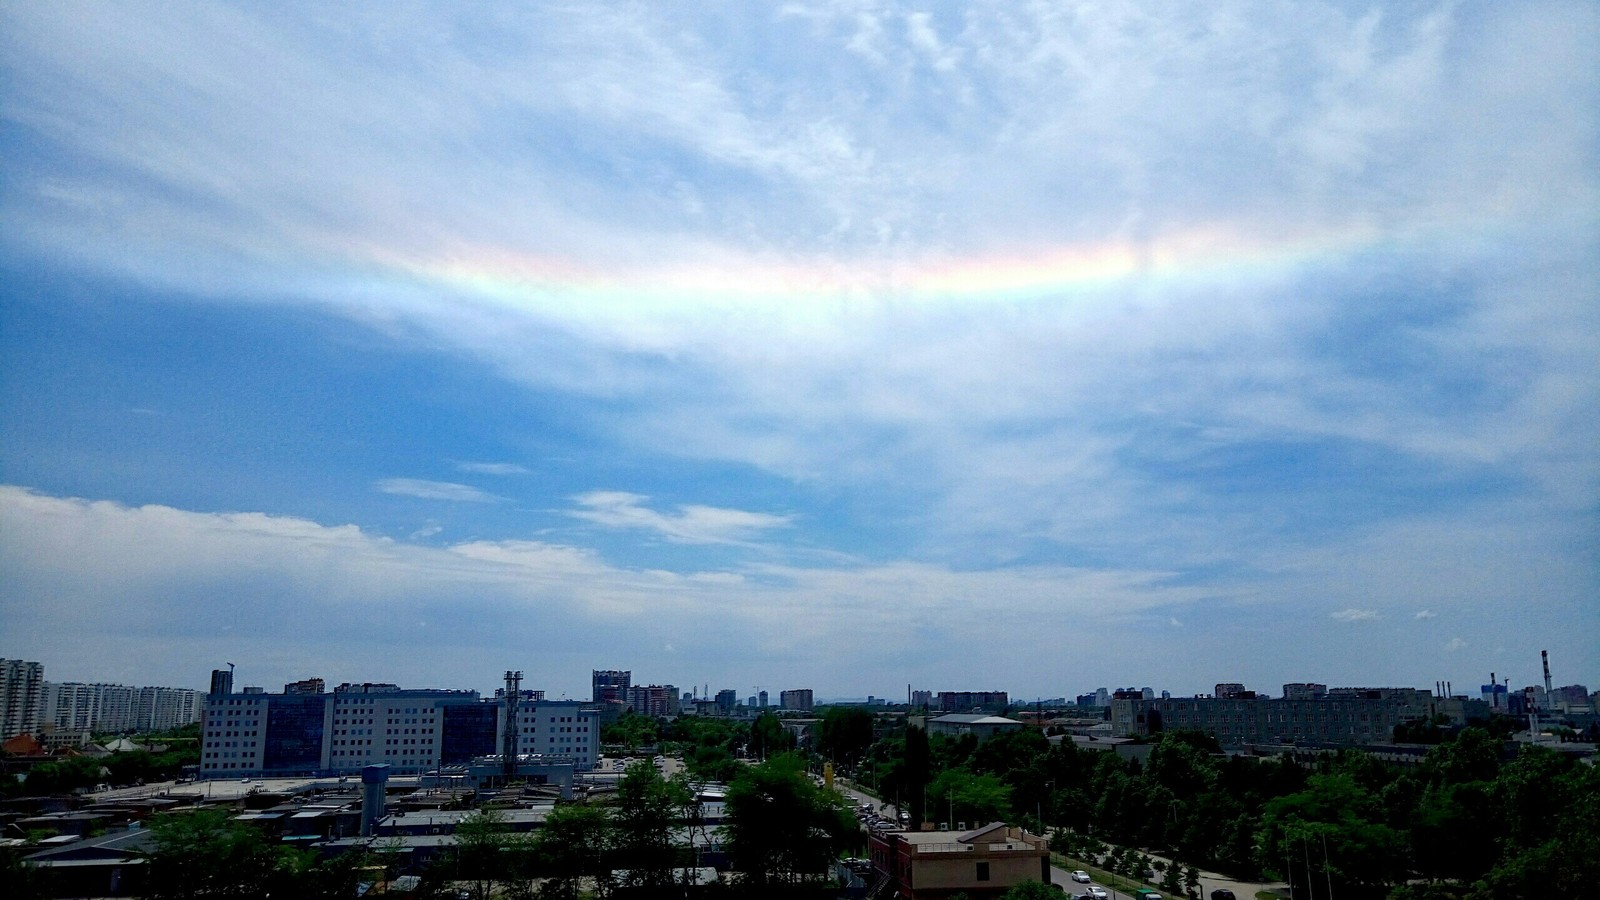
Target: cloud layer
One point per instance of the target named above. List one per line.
(857, 323)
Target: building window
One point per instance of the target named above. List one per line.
(983, 871)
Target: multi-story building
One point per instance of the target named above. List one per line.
(1229, 690)
(166, 708)
(21, 697)
(798, 700)
(306, 686)
(610, 685)
(921, 698)
(961, 701)
(106, 708)
(656, 700)
(1344, 716)
(937, 865)
(89, 707)
(357, 725)
(727, 701)
(1304, 690)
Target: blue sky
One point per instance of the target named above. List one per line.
(844, 346)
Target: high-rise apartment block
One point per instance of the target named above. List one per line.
(797, 700)
(610, 685)
(77, 707)
(411, 731)
(21, 697)
(656, 700)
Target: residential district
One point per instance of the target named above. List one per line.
(646, 790)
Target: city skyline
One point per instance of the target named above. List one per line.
(242, 678)
(973, 347)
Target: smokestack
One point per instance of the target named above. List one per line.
(1545, 655)
(508, 738)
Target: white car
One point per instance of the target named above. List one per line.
(1098, 892)
(1080, 877)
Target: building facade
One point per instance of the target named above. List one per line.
(21, 697)
(962, 701)
(1345, 715)
(938, 865)
(981, 727)
(656, 700)
(358, 725)
(610, 685)
(798, 700)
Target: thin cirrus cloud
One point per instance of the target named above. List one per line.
(1355, 615)
(493, 468)
(435, 490)
(691, 524)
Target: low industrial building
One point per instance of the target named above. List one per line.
(983, 727)
(936, 865)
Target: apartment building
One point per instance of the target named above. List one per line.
(76, 707)
(798, 700)
(21, 697)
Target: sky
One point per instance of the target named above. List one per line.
(844, 346)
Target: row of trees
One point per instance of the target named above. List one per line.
(75, 773)
(1466, 822)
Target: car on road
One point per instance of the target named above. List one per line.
(1096, 892)
(1081, 877)
(1146, 894)
(1222, 894)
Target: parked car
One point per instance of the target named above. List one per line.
(1081, 877)
(1146, 894)
(1222, 894)
(1096, 892)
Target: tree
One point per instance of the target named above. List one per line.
(844, 734)
(485, 853)
(1362, 855)
(631, 730)
(571, 844)
(916, 774)
(782, 828)
(768, 737)
(205, 854)
(648, 807)
(975, 799)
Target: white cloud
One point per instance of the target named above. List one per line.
(1425, 614)
(693, 524)
(493, 468)
(1455, 644)
(1355, 615)
(435, 490)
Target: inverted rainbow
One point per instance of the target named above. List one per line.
(757, 285)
